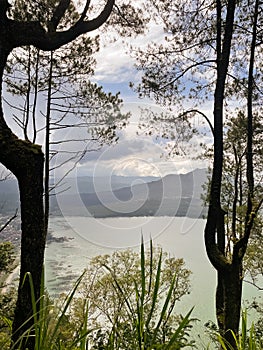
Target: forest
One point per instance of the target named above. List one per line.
(201, 69)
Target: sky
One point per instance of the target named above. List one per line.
(133, 155)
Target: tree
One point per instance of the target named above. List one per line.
(235, 190)
(209, 53)
(71, 102)
(132, 299)
(24, 158)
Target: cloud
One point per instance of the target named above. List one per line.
(115, 63)
(133, 154)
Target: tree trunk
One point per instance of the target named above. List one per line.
(232, 286)
(214, 230)
(26, 162)
(33, 239)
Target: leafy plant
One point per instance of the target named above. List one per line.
(144, 317)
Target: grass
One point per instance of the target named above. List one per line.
(48, 323)
(246, 340)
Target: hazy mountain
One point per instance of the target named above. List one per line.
(172, 195)
(88, 184)
(9, 198)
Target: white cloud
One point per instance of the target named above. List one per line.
(133, 154)
(114, 60)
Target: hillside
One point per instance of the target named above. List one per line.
(172, 195)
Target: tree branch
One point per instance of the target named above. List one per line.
(84, 13)
(8, 221)
(254, 284)
(216, 257)
(202, 114)
(58, 14)
(32, 33)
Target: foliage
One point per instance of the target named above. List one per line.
(7, 296)
(256, 308)
(143, 318)
(50, 324)
(132, 299)
(235, 190)
(6, 257)
(179, 69)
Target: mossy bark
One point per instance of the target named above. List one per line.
(232, 282)
(33, 238)
(229, 283)
(26, 162)
(229, 280)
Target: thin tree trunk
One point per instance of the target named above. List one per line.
(47, 145)
(214, 230)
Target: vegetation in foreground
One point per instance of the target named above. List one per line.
(123, 301)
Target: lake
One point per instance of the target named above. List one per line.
(182, 237)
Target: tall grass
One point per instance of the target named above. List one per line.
(142, 318)
(47, 325)
(246, 340)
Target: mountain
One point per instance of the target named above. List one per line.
(172, 195)
(89, 184)
(9, 198)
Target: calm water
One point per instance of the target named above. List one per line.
(88, 237)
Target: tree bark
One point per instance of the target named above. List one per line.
(232, 285)
(26, 162)
(33, 238)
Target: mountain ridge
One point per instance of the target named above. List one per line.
(171, 195)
